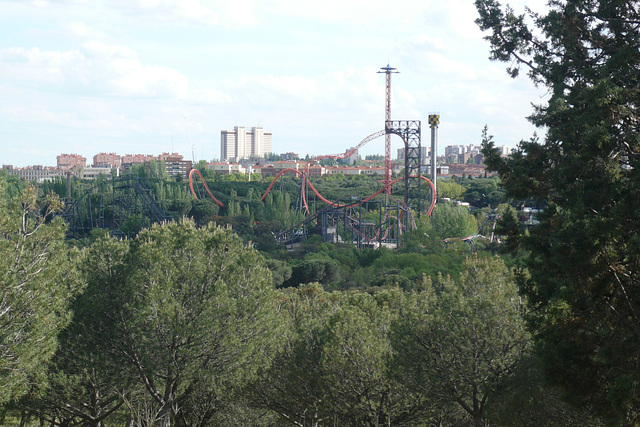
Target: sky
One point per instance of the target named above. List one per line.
(154, 76)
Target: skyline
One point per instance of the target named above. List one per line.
(152, 76)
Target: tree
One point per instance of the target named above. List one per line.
(334, 367)
(461, 344)
(356, 360)
(37, 277)
(293, 386)
(87, 382)
(448, 188)
(585, 253)
(508, 227)
(203, 211)
(193, 314)
(325, 271)
(449, 220)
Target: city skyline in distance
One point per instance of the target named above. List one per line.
(149, 77)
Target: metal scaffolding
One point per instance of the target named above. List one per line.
(409, 131)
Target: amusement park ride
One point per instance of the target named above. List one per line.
(372, 221)
(342, 220)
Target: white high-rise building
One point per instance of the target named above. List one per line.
(241, 143)
(424, 155)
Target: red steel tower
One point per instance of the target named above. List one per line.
(387, 117)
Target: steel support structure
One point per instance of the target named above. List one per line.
(349, 220)
(130, 199)
(347, 224)
(387, 117)
(434, 121)
(409, 131)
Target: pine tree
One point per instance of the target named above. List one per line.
(37, 279)
(585, 253)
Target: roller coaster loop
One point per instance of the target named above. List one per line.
(305, 182)
(196, 171)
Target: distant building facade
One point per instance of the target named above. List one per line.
(424, 155)
(241, 143)
(71, 161)
(130, 159)
(107, 160)
(470, 153)
(226, 168)
(36, 173)
(175, 165)
(39, 173)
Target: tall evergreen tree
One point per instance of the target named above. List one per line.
(36, 282)
(585, 253)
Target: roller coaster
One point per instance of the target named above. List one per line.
(123, 205)
(370, 221)
(127, 204)
(351, 219)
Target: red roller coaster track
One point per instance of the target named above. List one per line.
(305, 181)
(204, 184)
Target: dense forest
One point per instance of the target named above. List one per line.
(206, 320)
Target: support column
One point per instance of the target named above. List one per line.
(434, 121)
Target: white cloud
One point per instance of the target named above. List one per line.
(134, 79)
(47, 3)
(369, 13)
(82, 30)
(168, 10)
(108, 74)
(96, 68)
(101, 50)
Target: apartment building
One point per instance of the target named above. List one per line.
(242, 143)
(424, 155)
(71, 161)
(175, 165)
(107, 160)
(130, 159)
(226, 168)
(39, 173)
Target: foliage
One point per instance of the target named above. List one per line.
(86, 381)
(507, 226)
(450, 189)
(187, 313)
(280, 271)
(324, 271)
(334, 366)
(585, 253)
(449, 220)
(483, 192)
(461, 343)
(37, 274)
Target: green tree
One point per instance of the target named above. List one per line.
(280, 271)
(37, 277)
(203, 211)
(356, 357)
(193, 316)
(448, 188)
(585, 253)
(86, 381)
(334, 367)
(324, 271)
(462, 344)
(293, 387)
(449, 220)
(507, 226)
